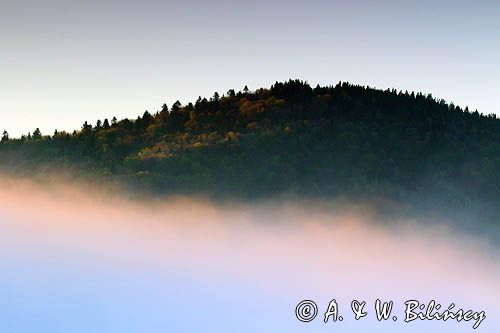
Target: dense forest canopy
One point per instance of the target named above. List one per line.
(290, 139)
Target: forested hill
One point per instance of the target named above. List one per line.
(290, 139)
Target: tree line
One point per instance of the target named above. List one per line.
(290, 139)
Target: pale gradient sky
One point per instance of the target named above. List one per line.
(64, 62)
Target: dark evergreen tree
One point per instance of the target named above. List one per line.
(105, 124)
(37, 135)
(5, 137)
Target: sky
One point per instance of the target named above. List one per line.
(66, 62)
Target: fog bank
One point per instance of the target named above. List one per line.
(77, 258)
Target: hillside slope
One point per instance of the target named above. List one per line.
(291, 139)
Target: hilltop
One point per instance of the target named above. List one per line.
(290, 139)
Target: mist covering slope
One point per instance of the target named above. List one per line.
(289, 141)
(80, 259)
(224, 214)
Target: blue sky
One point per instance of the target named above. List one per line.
(64, 62)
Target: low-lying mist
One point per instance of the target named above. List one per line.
(77, 258)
